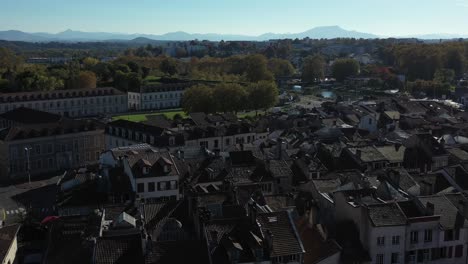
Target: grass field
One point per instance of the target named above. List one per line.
(170, 115)
(142, 117)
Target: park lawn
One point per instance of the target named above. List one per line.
(170, 115)
(142, 117)
(152, 78)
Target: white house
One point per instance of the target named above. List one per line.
(154, 174)
(369, 122)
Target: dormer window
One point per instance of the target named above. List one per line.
(146, 170)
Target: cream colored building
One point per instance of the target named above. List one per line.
(73, 103)
(47, 145)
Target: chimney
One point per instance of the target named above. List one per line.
(429, 208)
(213, 239)
(397, 147)
(269, 239)
(464, 210)
(279, 148)
(358, 153)
(312, 216)
(252, 212)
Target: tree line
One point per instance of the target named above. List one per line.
(230, 97)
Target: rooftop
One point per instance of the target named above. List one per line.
(388, 214)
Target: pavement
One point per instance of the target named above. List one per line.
(38, 196)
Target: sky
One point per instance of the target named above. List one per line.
(246, 17)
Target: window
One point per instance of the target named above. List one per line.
(426, 256)
(216, 143)
(39, 164)
(449, 252)
(443, 252)
(459, 251)
(379, 259)
(141, 187)
(151, 187)
(395, 240)
(51, 163)
(204, 144)
(428, 235)
(50, 149)
(173, 185)
(37, 149)
(448, 235)
(162, 186)
(228, 141)
(380, 241)
(414, 237)
(412, 257)
(456, 234)
(395, 257)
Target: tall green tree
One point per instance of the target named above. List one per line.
(86, 79)
(344, 68)
(230, 97)
(256, 68)
(280, 67)
(169, 66)
(313, 68)
(198, 98)
(262, 95)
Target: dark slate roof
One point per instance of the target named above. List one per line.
(25, 115)
(140, 127)
(368, 154)
(386, 215)
(158, 121)
(199, 119)
(156, 214)
(241, 157)
(177, 252)
(392, 153)
(286, 240)
(119, 250)
(64, 126)
(459, 154)
(457, 199)
(317, 248)
(445, 208)
(7, 235)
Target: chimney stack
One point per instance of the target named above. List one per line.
(279, 148)
(269, 239)
(358, 153)
(252, 212)
(429, 208)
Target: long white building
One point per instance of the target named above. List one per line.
(72, 103)
(161, 96)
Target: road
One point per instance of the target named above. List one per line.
(15, 200)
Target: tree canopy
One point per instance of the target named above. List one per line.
(344, 68)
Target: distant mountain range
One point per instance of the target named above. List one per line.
(328, 32)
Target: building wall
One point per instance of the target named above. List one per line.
(221, 142)
(11, 254)
(369, 123)
(333, 259)
(51, 154)
(158, 193)
(387, 249)
(75, 106)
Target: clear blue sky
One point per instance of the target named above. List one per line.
(249, 17)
